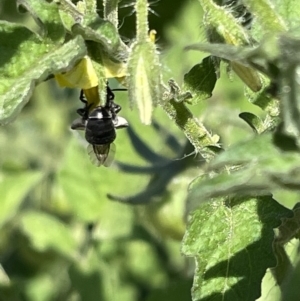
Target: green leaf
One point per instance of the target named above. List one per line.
(70, 13)
(253, 167)
(253, 121)
(231, 241)
(85, 187)
(26, 61)
(4, 279)
(96, 279)
(150, 273)
(178, 290)
(239, 182)
(259, 147)
(258, 57)
(291, 291)
(167, 216)
(267, 103)
(248, 75)
(200, 81)
(101, 31)
(46, 15)
(223, 24)
(267, 15)
(289, 10)
(276, 284)
(87, 283)
(229, 52)
(222, 27)
(91, 6)
(41, 288)
(48, 233)
(286, 198)
(289, 85)
(13, 190)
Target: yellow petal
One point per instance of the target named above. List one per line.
(82, 76)
(112, 69)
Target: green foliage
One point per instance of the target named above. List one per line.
(200, 81)
(234, 181)
(239, 251)
(13, 188)
(23, 49)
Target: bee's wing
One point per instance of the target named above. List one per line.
(98, 153)
(102, 154)
(120, 122)
(78, 124)
(110, 156)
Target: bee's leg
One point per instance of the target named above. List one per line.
(110, 104)
(110, 96)
(84, 112)
(116, 108)
(82, 97)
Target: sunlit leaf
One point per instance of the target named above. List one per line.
(286, 198)
(41, 288)
(200, 81)
(28, 61)
(276, 282)
(266, 102)
(217, 19)
(248, 75)
(291, 291)
(267, 15)
(256, 168)
(46, 15)
(101, 31)
(150, 273)
(96, 279)
(253, 121)
(13, 190)
(85, 188)
(289, 11)
(231, 241)
(48, 233)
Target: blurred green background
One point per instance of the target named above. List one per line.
(61, 238)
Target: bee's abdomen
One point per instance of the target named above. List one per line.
(100, 131)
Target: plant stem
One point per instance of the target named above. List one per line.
(71, 9)
(204, 143)
(265, 12)
(91, 7)
(111, 11)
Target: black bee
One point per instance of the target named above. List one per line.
(100, 126)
